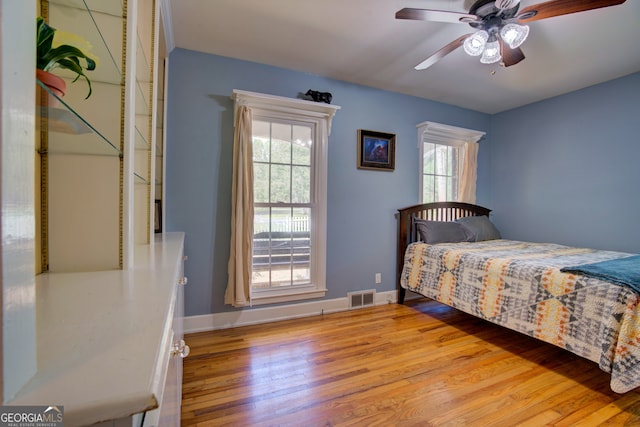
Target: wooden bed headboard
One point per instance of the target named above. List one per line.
(438, 211)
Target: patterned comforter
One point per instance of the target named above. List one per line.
(519, 285)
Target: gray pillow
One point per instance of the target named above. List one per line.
(480, 227)
(433, 232)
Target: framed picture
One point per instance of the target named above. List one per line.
(157, 226)
(376, 150)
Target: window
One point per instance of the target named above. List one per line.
(283, 208)
(439, 172)
(445, 155)
(290, 147)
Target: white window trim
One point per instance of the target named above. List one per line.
(438, 133)
(319, 115)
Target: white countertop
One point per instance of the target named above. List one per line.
(103, 338)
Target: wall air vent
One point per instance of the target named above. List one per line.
(361, 298)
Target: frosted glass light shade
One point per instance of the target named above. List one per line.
(514, 35)
(491, 53)
(506, 4)
(474, 44)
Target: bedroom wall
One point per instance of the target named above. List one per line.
(566, 169)
(361, 204)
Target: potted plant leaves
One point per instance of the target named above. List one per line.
(52, 52)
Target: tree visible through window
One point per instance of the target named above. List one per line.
(439, 172)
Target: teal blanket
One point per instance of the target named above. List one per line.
(622, 271)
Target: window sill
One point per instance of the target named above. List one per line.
(279, 296)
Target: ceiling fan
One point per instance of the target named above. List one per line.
(500, 27)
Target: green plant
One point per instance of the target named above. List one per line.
(65, 56)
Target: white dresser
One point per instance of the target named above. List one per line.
(109, 343)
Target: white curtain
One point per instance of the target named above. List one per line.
(238, 291)
(467, 191)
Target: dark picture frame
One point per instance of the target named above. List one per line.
(157, 216)
(376, 150)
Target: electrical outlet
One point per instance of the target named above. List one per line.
(378, 278)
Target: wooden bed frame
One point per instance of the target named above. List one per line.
(593, 318)
(438, 211)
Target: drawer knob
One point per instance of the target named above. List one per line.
(180, 348)
(182, 281)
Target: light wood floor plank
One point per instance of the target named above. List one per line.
(419, 364)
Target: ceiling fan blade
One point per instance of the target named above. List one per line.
(561, 7)
(435, 15)
(510, 56)
(442, 53)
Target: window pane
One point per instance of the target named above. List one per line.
(260, 183)
(442, 158)
(280, 143)
(441, 187)
(454, 162)
(281, 246)
(261, 129)
(281, 220)
(301, 221)
(301, 145)
(280, 184)
(301, 184)
(440, 169)
(261, 276)
(261, 137)
(453, 188)
(429, 159)
(302, 245)
(261, 220)
(261, 248)
(428, 188)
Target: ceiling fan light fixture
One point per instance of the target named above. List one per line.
(474, 45)
(491, 53)
(514, 35)
(506, 4)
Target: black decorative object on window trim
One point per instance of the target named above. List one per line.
(317, 96)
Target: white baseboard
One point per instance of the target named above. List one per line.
(252, 316)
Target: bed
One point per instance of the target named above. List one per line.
(539, 289)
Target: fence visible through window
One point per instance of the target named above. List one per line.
(288, 224)
(281, 247)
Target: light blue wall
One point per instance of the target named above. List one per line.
(361, 204)
(567, 169)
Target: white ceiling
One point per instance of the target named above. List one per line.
(360, 41)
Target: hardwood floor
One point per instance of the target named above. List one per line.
(420, 364)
